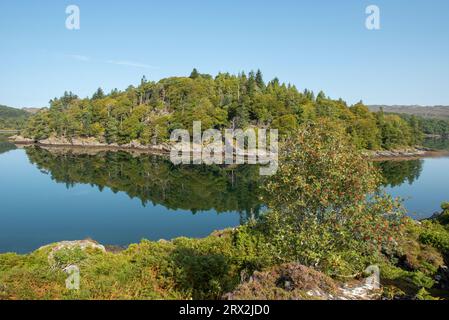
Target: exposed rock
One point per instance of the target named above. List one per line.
(70, 245)
(442, 278)
(440, 217)
(367, 290)
(412, 152)
(62, 141)
(114, 248)
(95, 143)
(82, 244)
(20, 139)
(297, 282)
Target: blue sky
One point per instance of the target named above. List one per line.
(315, 44)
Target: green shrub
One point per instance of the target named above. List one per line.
(444, 217)
(436, 235)
(423, 294)
(320, 214)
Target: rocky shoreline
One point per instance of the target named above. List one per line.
(90, 143)
(93, 143)
(405, 154)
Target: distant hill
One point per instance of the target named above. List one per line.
(12, 118)
(436, 112)
(32, 110)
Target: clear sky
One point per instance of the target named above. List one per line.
(315, 44)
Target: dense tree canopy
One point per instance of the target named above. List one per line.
(429, 126)
(12, 118)
(149, 112)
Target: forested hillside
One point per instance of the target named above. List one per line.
(435, 112)
(432, 120)
(12, 118)
(149, 112)
(430, 126)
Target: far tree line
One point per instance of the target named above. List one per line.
(149, 112)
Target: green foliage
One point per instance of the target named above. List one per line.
(395, 131)
(286, 125)
(194, 269)
(420, 253)
(428, 126)
(5, 145)
(12, 118)
(99, 94)
(423, 294)
(180, 269)
(437, 236)
(319, 211)
(69, 256)
(444, 217)
(409, 282)
(148, 113)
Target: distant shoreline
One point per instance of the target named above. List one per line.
(401, 157)
(381, 155)
(406, 154)
(95, 148)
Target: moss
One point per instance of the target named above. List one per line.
(400, 282)
(422, 250)
(435, 235)
(423, 294)
(414, 254)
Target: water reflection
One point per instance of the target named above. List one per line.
(81, 193)
(396, 173)
(154, 179)
(6, 146)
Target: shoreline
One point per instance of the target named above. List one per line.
(89, 144)
(404, 155)
(95, 149)
(163, 149)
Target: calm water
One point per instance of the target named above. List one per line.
(117, 198)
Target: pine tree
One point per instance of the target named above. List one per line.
(251, 83)
(259, 79)
(99, 94)
(194, 74)
(321, 96)
(111, 130)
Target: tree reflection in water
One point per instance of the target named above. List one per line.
(154, 179)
